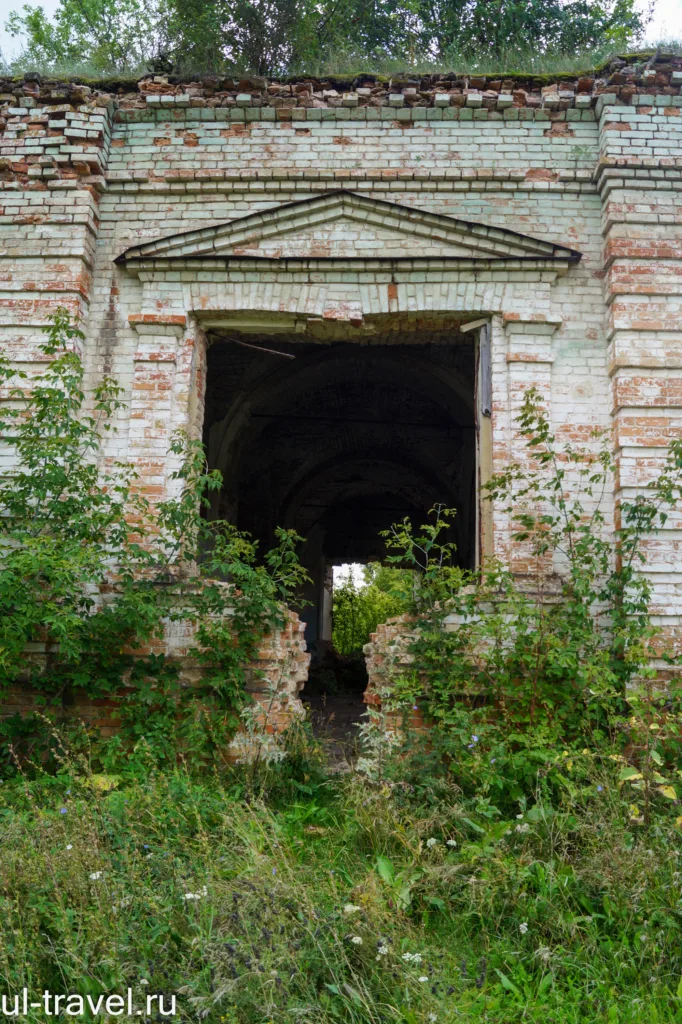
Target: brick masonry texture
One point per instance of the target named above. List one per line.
(274, 680)
(386, 655)
(550, 210)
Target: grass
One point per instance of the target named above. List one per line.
(317, 898)
(348, 66)
(512, 62)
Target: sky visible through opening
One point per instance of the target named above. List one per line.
(354, 568)
(665, 25)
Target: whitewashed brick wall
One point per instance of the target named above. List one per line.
(601, 174)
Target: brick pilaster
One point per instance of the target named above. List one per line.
(640, 181)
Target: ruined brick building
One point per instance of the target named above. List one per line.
(426, 250)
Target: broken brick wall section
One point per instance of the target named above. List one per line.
(386, 654)
(61, 136)
(275, 679)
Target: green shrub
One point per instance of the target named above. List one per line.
(91, 570)
(521, 675)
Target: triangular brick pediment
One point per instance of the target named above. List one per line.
(346, 225)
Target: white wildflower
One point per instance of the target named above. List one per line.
(523, 828)
(69, 846)
(432, 1018)
(95, 876)
(523, 927)
(366, 766)
(195, 895)
(382, 951)
(431, 842)
(414, 958)
(423, 978)
(351, 908)
(356, 940)
(143, 981)
(451, 842)
(519, 816)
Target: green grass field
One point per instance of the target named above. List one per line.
(302, 897)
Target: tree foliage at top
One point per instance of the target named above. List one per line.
(109, 35)
(291, 36)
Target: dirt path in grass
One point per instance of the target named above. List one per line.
(335, 721)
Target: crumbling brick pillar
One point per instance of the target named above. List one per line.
(275, 679)
(387, 656)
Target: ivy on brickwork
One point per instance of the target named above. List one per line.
(92, 572)
(523, 681)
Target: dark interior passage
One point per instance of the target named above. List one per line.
(341, 441)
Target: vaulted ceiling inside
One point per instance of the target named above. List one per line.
(344, 439)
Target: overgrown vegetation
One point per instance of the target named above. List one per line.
(91, 570)
(518, 863)
(341, 900)
(299, 36)
(513, 673)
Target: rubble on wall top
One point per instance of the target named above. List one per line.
(57, 135)
(623, 79)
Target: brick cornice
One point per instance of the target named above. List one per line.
(287, 179)
(399, 269)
